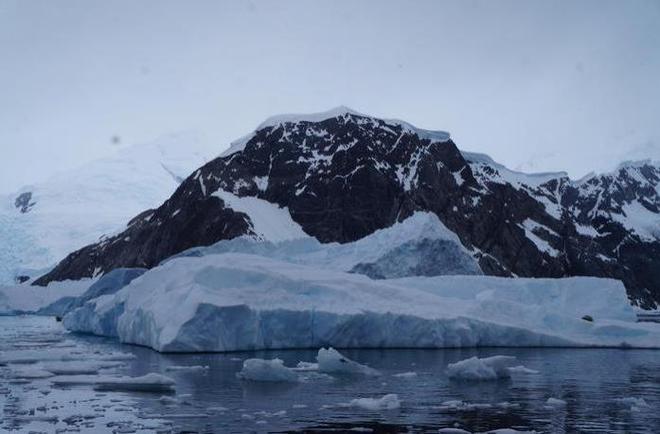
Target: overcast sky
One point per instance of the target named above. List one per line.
(538, 85)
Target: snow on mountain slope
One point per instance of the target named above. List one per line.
(268, 221)
(407, 248)
(482, 164)
(629, 195)
(234, 301)
(41, 224)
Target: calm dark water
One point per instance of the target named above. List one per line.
(595, 384)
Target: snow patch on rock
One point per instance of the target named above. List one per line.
(269, 221)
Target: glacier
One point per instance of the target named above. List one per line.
(40, 224)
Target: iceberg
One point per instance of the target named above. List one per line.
(238, 301)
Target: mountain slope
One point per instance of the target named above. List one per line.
(342, 175)
(42, 223)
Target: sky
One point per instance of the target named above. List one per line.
(538, 85)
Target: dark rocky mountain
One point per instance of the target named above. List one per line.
(343, 175)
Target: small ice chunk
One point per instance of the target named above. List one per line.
(168, 400)
(453, 431)
(78, 367)
(116, 357)
(306, 366)
(30, 373)
(509, 431)
(462, 405)
(635, 404)
(194, 368)
(486, 369)
(555, 402)
(332, 361)
(266, 370)
(406, 375)
(520, 369)
(387, 402)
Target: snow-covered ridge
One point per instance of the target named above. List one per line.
(629, 195)
(511, 176)
(338, 112)
(537, 178)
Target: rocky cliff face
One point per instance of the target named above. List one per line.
(343, 175)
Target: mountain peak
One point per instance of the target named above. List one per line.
(344, 112)
(335, 112)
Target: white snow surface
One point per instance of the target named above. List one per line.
(269, 221)
(238, 301)
(77, 207)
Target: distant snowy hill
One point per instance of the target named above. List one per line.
(340, 176)
(42, 223)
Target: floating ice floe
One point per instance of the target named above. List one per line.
(635, 404)
(63, 354)
(406, 375)
(522, 370)
(496, 431)
(555, 402)
(266, 370)
(476, 369)
(331, 361)
(387, 402)
(79, 367)
(458, 405)
(29, 373)
(194, 368)
(152, 382)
